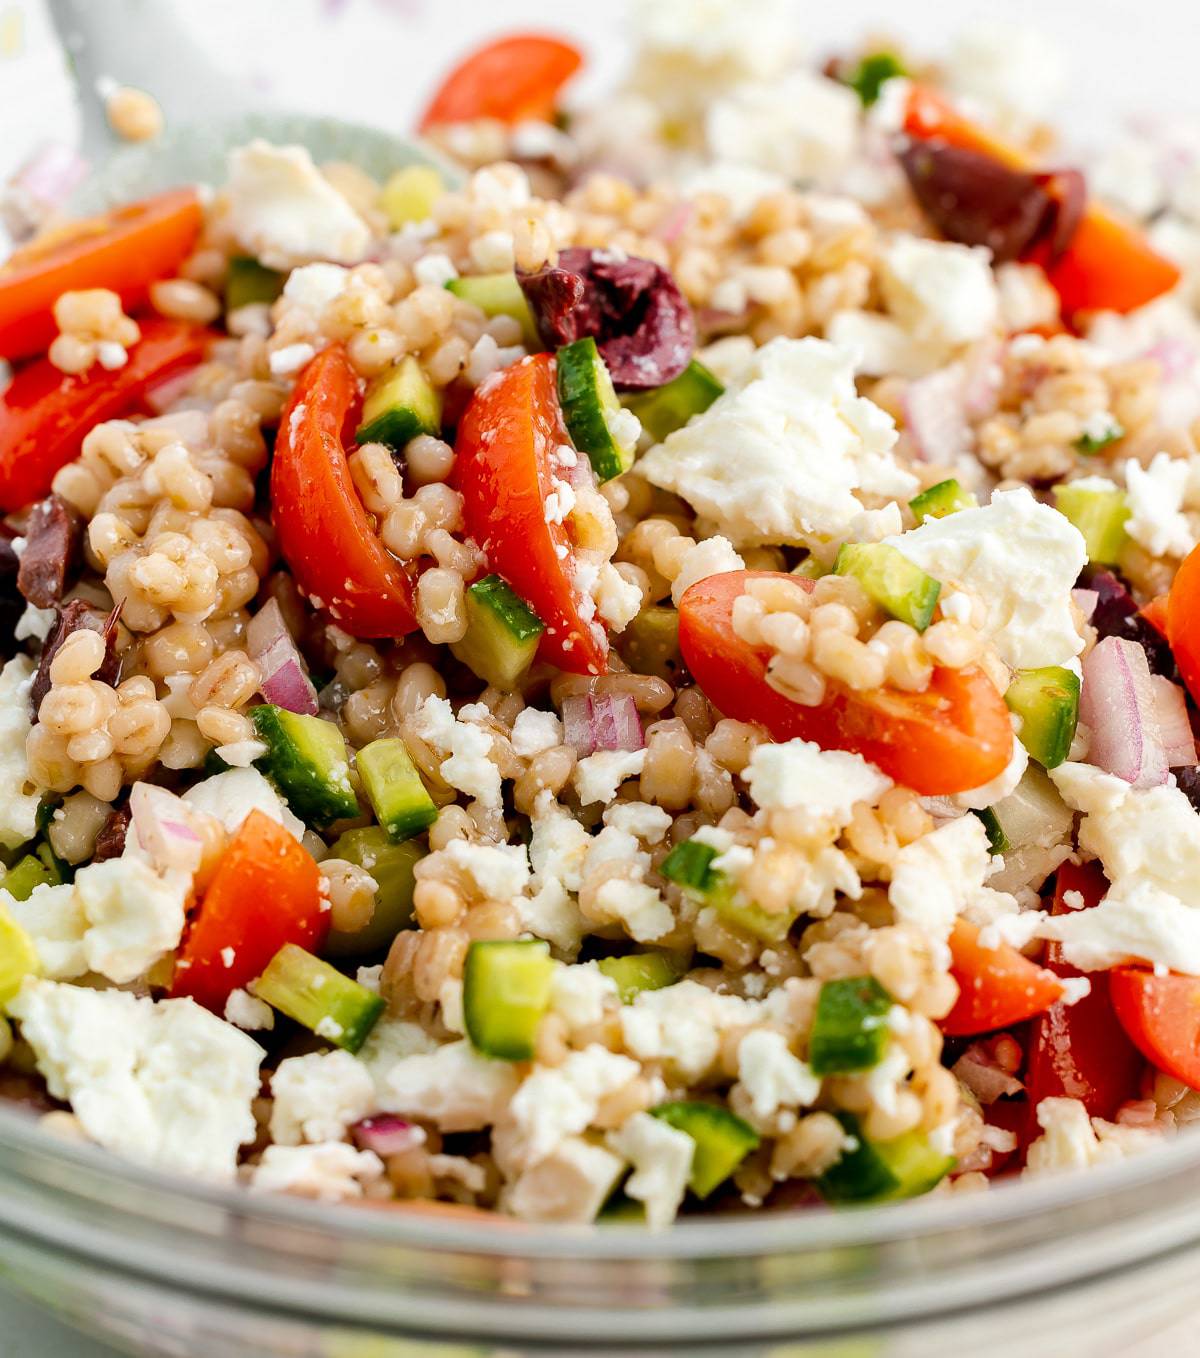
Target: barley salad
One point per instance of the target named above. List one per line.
(647, 672)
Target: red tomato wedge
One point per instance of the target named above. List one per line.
(1080, 1051)
(954, 736)
(506, 440)
(997, 986)
(511, 80)
(1155, 613)
(1162, 1016)
(264, 893)
(44, 413)
(126, 250)
(325, 534)
(1183, 620)
(1108, 265)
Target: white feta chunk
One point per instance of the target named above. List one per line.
(713, 556)
(453, 1087)
(827, 783)
(331, 1172)
(468, 765)
(661, 1156)
(535, 731)
(597, 776)
(499, 871)
(804, 126)
(773, 1076)
(555, 1102)
(314, 286)
(18, 797)
(570, 1185)
(937, 877)
(640, 819)
(939, 292)
(232, 795)
(318, 1097)
(579, 993)
(681, 1025)
(248, 1012)
(1156, 496)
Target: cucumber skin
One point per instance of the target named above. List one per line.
(502, 634)
(506, 1036)
(381, 781)
(288, 984)
(841, 1041)
(636, 972)
(947, 497)
(911, 599)
(669, 408)
(395, 428)
(723, 1140)
(309, 793)
(391, 865)
(581, 379)
(1048, 717)
(249, 282)
(883, 1171)
(407, 404)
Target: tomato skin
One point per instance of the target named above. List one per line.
(997, 986)
(1108, 265)
(45, 414)
(954, 736)
(265, 892)
(1161, 1014)
(325, 534)
(125, 250)
(512, 79)
(1081, 1051)
(505, 441)
(1183, 620)
(1155, 613)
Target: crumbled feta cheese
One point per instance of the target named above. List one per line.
(557, 849)
(939, 875)
(713, 556)
(535, 731)
(247, 1011)
(330, 1172)
(241, 754)
(285, 212)
(882, 346)
(453, 1087)
(1020, 558)
(468, 765)
(290, 359)
(555, 1102)
(1010, 72)
(1155, 495)
(804, 126)
(389, 1042)
(34, 623)
(639, 907)
(618, 601)
(319, 1096)
(578, 994)
(773, 1076)
(682, 1025)
(569, 1186)
(597, 776)
(828, 783)
(434, 270)
(232, 795)
(647, 822)
(1072, 1140)
(779, 456)
(742, 186)
(18, 808)
(499, 871)
(314, 286)
(166, 1083)
(1086, 788)
(940, 292)
(661, 1156)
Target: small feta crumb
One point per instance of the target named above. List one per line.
(1155, 495)
(661, 1156)
(773, 1076)
(248, 1012)
(828, 783)
(535, 731)
(647, 822)
(597, 776)
(434, 270)
(319, 1096)
(330, 1172)
(290, 359)
(314, 286)
(713, 556)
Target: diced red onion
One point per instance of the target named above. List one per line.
(1176, 357)
(934, 416)
(163, 829)
(601, 721)
(675, 223)
(1085, 600)
(1118, 705)
(387, 1135)
(285, 681)
(51, 174)
(983, 1077)
(1174, 724)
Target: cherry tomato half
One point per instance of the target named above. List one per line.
(510, 80)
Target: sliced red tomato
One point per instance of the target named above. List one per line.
(126, 250)
(44, 413)
(1162, 1016)
(953, 736)
(1155, 613)
(506, 442)
(265, 892)
(511, 80)
(1081, 1051)
(325, 534)
(1183, 620)
(997, 986)
(1109, 264)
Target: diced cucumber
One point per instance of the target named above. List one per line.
(620, 1207)
(638, 971)
(307, 760)
(850, 1031)
(24, 875)
(947, 497)
(723, 1140)
(247, 281)
(650, 644)
(319, 997)
(811, 568)
(998, 841)
(690, 866)
(669, 407)
(1047, 701)
(872, 73)
(400, 404)
(409, 195)
(18, 956)
(897, 585)
(502, 633)
(498, 294)
(1100, 512)
(401, 803)
(506, 990)
(597, 422)
(1032, 814)
(391, 865)
(883, 1171)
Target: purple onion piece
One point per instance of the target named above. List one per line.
(1085, 600)
(577, 724)
(285, 680)
(387, 1135)
(935, 416)
(1116, 615)
(1174, 724)
(632, 307)
(615, 722)
(1118, 705)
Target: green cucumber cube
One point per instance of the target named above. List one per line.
(393, 786)
(248, 282)
(723, 1140)
(400, 404)
(319, 997)
(897, 585)
(498, 294)
(24, 875)
(669, 407)
(1100, 511)
(506, 990)
(689, 864)
(391, 865)
(883, 1171)
(308, 761)
(638, 971)
(596, 421)
(409, 195)
(947, 497)
(849, 1032)
(502, 634)
(1047, 701)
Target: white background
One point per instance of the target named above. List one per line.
(375, 61)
